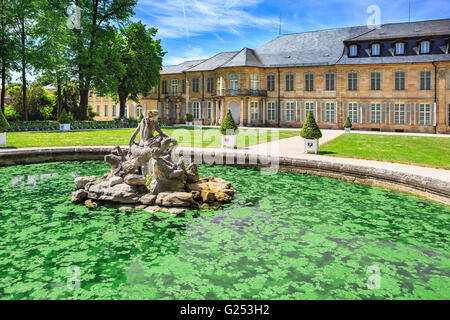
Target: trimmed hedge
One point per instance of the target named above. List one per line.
(188, 117)
(310, 128)
(347, 123)
(20, 126)
(228, 124)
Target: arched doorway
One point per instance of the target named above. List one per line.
(234, 108)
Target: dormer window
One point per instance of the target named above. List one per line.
(399, 48)
(425, 47)
(353, 50)
(375, 49)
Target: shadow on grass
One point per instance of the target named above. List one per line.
(327, 152)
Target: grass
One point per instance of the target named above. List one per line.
(425, 151)
(186, 136)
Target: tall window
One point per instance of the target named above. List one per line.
(271, 111)
(330, 112)
(290, 111)
(309, 82)
(254, 82)
(210, 84)
(425, 114)
(399, 80)
(183, 86)
(399, 113)
(254, 110)
(164, 86)
(233, 85)
(289, 82)
(196, 110)
(353, 112)
(271, 82)
(195, 85)
(106, 110)
(98, 109)
(353, 50)
(425, 80)
(375, 81)
(425, 47)
(174, 85)
(376, 113)
(400, 48)
(114, 112)
(209, 110)
(329, 81)
(352, 81)
(375, 49)
(309, 106)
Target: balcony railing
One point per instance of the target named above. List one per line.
(240, 92)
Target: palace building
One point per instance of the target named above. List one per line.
(394, 78)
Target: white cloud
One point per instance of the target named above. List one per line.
(195, 53)
(184, 18)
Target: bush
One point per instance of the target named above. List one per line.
(11, 114)
(310, 128)
(347, 123)
(228, 125)
(4, 125)
(188, 117)
(63, 117)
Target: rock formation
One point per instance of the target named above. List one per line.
(146, 178)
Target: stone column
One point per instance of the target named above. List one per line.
(167, 110)
(178, 106)
(264, 102)
(242, 113)
(249, 113)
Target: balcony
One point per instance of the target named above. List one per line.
(173, 96)
(240, 93)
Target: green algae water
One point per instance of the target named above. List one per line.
(285, 236)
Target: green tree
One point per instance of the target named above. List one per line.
(310, 128)
(63, 117)
(347, 123)
(228, 125)
(37, 101)
(90, 42)
(4, 125)
(135, 62)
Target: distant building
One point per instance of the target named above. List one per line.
(395, 78)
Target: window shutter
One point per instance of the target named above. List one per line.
(447, 112)
(282, 111)
(260, 114)
(383, 112)
(316, 113)
(302, 111)
(183, 110)
(416, 114)
(296, 109)
(204, 111)
(322, 112)
(344, 111)
(276, 111)
(335, 112)
(391, 113)
(433, 116)
(159, 109)
(408, 113)
(367, 119)
(190, 107)
(360, 112)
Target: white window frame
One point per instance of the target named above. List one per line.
(425, 45)
(425, 114)
(375, 113)
(254, 110)
(426, 80)
(196, 110)
(352, 112)
(401, 77)
(310, 106)
(271, 111)
(174, 87)
(209, 110)
(291, 111)
(376, 52)
(254, 82)
(330, 112)
(329, 79)
(399, 45)
(353, 50)
(399, 113)
(105, 110)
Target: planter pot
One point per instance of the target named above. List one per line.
(3, 139)
(348, 130)
(312, 145)
(189, 124)
(229, 141)
(64, 127)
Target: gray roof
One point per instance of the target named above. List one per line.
(407, 30)
(245, 58)
(180, 68)
(215, 62)
(324, 47)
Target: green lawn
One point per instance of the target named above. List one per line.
(186, 136)
(425, 151)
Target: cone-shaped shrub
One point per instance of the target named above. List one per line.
(310, 128)
(4, 125)
(228, 125)
(63, 117)
(347, 123)
(188, 117)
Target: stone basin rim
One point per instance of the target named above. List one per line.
(426, 187)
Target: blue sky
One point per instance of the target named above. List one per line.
(201, 29)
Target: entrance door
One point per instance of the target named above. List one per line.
(234, 108)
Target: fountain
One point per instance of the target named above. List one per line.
(145, 177)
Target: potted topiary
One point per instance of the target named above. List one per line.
(4, 126)
(229, 131)
(189, 117)
(64, 122)
(311, 133)
(347, 125)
